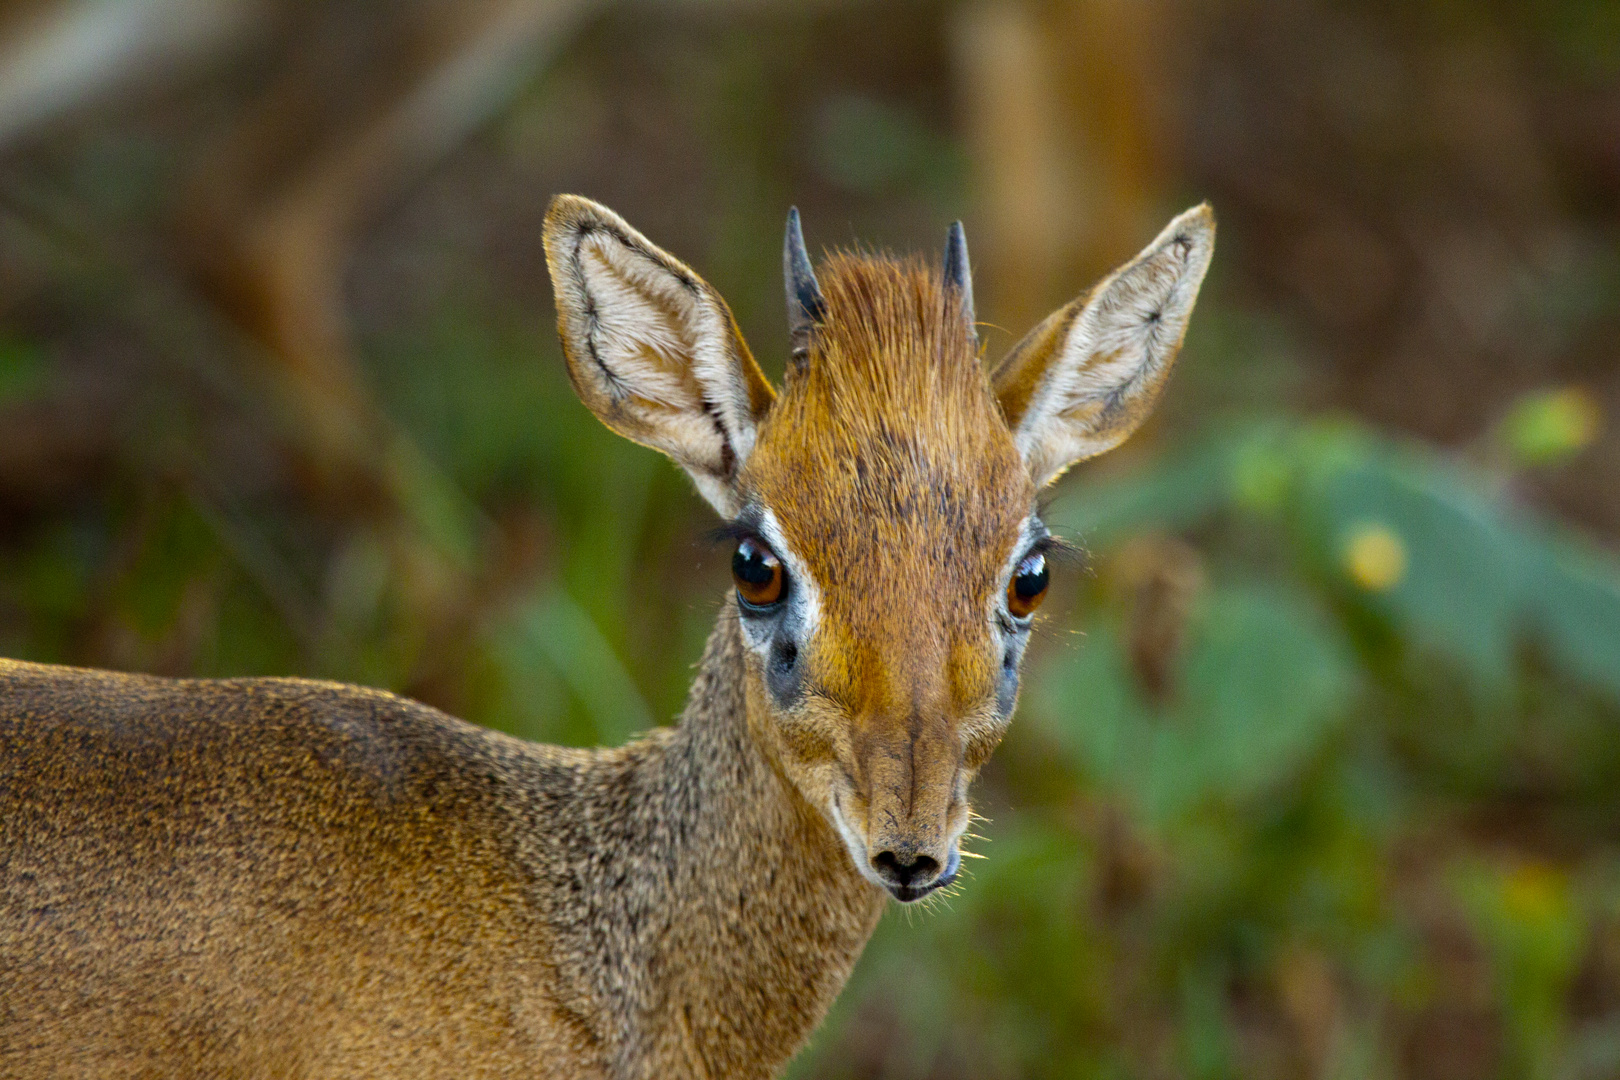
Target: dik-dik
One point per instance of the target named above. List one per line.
(284, 878)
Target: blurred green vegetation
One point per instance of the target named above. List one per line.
(1316, 772)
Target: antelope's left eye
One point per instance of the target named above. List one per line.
(1027, 588)
(757, 573)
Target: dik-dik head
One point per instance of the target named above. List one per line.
(889, 557)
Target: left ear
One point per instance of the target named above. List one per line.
(1087, 376)
(652, 349)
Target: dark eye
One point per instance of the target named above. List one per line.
(1027, 588)
(758, 574)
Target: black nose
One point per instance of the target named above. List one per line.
(919, 870)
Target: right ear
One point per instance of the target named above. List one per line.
(652, 349)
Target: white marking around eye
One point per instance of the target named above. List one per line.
(998, 599)
(805, 597)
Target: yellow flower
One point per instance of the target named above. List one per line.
(1375, 557)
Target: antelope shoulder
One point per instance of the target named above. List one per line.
(181, 853)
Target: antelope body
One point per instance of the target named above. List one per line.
(286, 878)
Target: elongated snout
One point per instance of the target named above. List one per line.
(915, 808)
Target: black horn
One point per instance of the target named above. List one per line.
(958, 274)
(805, 305)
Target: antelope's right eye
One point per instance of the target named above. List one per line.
(758, 574)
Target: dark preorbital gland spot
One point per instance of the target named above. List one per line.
(782, 672)
(785, 654)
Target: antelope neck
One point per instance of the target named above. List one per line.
(737, 869)
(785, 912)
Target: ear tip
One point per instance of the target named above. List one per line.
(1200, 217)
(571, 211)
(564, 205)
(1193, 228)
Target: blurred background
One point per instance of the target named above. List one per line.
(1317, 769)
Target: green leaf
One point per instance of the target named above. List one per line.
(1551, 425)
(1265, 678)
(1576, 606)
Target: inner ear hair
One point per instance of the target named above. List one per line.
(1089, 374)
(652, 349)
